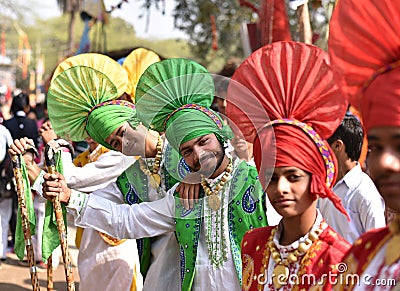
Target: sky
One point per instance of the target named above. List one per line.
(129, 12)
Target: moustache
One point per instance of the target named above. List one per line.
(203, 158)
(206, 157)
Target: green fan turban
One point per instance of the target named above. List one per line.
(174, 96)
(82, 98)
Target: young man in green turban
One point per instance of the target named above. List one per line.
(173, 96)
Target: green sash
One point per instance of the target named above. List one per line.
(246, 210)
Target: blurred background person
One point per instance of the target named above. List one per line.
(5, 199)
(241, 148)
(359, 196)
(19, 124)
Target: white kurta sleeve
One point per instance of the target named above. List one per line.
(92, 176)
(37, 185)
(98, 174)
(147, 219)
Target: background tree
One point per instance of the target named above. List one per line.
(8, 9)
(193, 17)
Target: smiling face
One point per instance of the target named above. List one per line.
(384, 163)
(288, 191)
(203, 154)
(127, 140)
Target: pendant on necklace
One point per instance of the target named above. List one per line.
(155, 180)
(214, 202)
(280, 276)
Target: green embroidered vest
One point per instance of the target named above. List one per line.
(134, 186)
(246, 210)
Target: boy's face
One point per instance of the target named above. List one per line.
(203, 154)
(289, 192)
(384, 163)
(127, 140)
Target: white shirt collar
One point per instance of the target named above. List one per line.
(350, 179)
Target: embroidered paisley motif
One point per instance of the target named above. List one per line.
(248, 272)
(248, 202)
(131, 196)
(183, 169)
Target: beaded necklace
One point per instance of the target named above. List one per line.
(98, 151)
(154, 177)
(280, 275)
(216, 235)
(213, 200)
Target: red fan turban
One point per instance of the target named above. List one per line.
(364, 46)
(292, 85)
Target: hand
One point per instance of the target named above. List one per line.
(47, 132)
(55, 185)
(189, 190)
(22, 146)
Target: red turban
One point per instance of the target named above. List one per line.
(292, 85)
(364, 46)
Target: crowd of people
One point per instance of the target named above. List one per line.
(251, 179)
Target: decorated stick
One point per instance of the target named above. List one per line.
(16, 161)
(50, 151)
(50, 284)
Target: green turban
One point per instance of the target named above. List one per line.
(174, 96)
(82, 98)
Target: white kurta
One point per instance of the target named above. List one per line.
(163, 273)
(362, 202)
(92, 176)
(111, 267)
(150, 219)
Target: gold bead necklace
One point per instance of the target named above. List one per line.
(98, 151)
(154, 177)
(213, 200)
(280, 274)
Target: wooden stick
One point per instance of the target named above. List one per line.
(50, 285)
(51, 168)
(25, 221)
